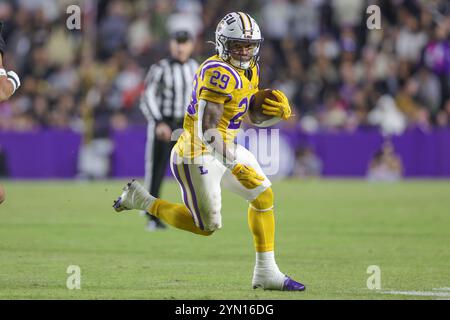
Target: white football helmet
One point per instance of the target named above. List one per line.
(238, 28)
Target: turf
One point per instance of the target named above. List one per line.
(328, 233)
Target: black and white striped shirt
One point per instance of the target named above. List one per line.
(168, 88)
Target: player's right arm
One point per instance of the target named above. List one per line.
(209, 114)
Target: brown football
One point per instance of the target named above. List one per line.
(255, 108)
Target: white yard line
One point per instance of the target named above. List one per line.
(442, 289)
(418, 293)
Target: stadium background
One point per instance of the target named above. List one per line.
(351, 88)
(76, 117)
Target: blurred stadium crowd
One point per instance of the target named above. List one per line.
(338, 74)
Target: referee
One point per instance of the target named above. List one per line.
(168, 87)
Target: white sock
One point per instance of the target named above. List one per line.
(265, 262)
(141, 199)
(266, 273)
(146, 204)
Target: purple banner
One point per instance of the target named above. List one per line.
(423, 154)
(128, 158)
(43, 154)
(54, 154)
(343, 154)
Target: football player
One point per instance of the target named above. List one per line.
(9, 83)
(205, 157)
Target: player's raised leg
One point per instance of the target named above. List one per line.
(199, 181)
(135, 196)
(261, 221)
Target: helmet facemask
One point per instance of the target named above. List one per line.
(241, 53)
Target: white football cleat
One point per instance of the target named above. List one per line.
(134, 196)
(275, 281)
(268, 279)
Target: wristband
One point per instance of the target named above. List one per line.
(14, 79)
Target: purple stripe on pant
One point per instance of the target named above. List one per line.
(194, 197)
(177, 176)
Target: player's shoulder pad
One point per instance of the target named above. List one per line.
(218, 75)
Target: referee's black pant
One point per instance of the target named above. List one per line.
(157, 157)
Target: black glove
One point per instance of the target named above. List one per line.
(2, 41)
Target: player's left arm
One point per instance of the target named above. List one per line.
(279, 108)
(209, 114)
(9, 81)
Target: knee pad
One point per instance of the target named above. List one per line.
(263, 202)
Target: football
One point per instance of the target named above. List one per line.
(255, 108)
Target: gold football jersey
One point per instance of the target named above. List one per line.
(219, 82)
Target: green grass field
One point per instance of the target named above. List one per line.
(328, 233)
